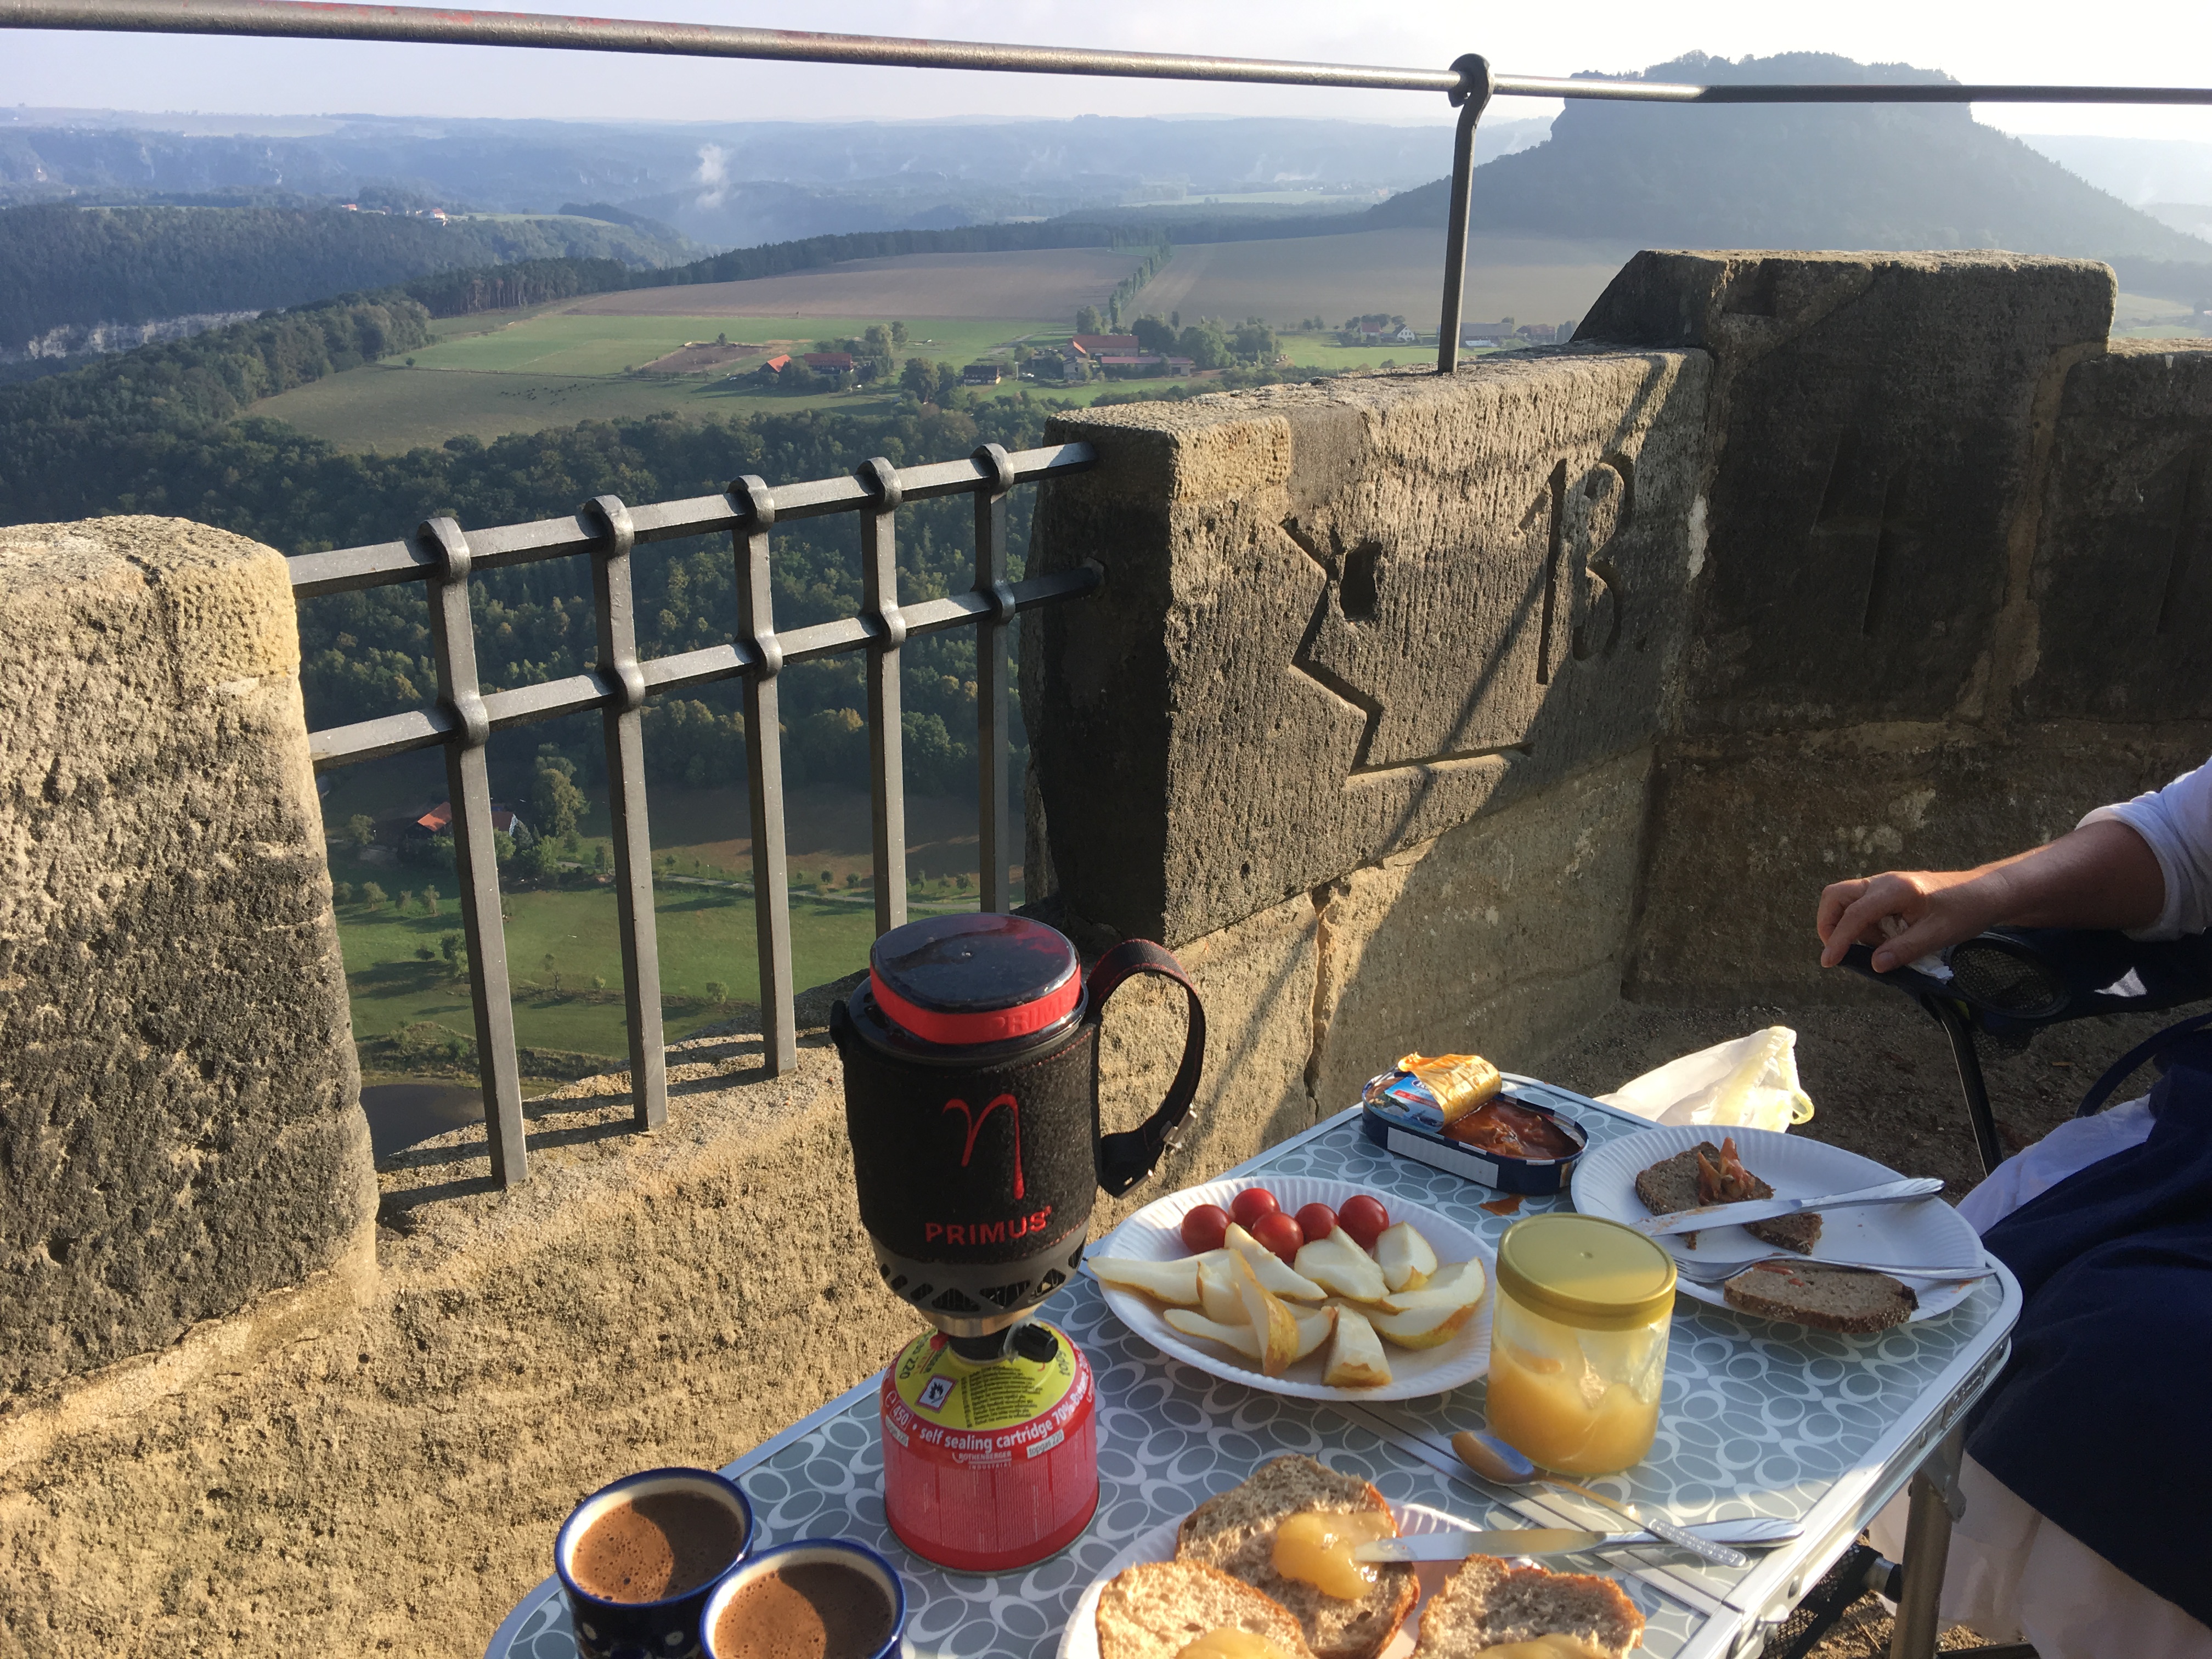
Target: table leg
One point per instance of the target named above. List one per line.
(1927, 1552)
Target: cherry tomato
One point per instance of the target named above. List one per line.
(1249, 1205)
(1316, 1221)
(1280, 1233)
(1365, 1218)
(1204, 1229)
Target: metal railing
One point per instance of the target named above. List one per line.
(443, 555)
(1469, 83)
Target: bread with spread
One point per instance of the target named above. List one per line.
(1157, 1609)
(1706, 1174)
(1487, 1605)
(1237, 1532)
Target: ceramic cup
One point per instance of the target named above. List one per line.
(668, 1628)
(831, 1552)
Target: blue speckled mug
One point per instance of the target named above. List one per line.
(857, 1559)
(639, 1559)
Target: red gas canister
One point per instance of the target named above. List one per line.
(990, 1467)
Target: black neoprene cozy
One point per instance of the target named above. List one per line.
(978, 1161)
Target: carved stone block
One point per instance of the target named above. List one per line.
(2120, 604)
(1338, 622)
(1873, 415)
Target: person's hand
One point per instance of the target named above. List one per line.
(1932, 908)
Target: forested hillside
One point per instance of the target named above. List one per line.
(65, 268)
(157, 430)
(1794, 176)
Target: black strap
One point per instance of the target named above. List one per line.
(1127, 1158)
(2101, 1091)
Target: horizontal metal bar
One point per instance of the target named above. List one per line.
(326, 21)
(320, 19)
(383, 563)
(1841, 92)
(425, 728)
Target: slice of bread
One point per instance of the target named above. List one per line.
(1671, 1185)
(1847, 1299)
(1487, 1603)
(1235, 1532)
(1156, 1610)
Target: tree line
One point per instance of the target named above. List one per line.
(64, 267)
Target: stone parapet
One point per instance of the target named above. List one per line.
(1338, 620)
(179, 1123)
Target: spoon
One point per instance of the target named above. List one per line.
(1492, 1459)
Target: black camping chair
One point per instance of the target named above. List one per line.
(2010, 982)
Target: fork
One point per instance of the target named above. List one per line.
(1713, 1273)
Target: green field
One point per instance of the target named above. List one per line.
(706, 934)
(702, 903)
(590, 342)
(548, 366)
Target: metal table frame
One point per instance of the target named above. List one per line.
(1733, 1617)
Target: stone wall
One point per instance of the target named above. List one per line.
(1585, 670)
(1413, 714)
(179, 1126)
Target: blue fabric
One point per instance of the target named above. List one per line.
(2103, 1421)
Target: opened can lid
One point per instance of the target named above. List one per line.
(1584, 1270)
(973, 978)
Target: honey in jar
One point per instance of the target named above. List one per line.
(1578, 1342)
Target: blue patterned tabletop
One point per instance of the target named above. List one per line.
(1756, 1418)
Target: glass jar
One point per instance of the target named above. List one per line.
(1578, 1342)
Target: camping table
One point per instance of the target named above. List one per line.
(1756, 1419)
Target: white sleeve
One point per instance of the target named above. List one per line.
(2177, 821)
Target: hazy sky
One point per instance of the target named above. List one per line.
(2122, 41)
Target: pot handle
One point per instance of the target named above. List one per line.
(1127, 1158)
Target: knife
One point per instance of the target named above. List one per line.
(1456, 1546)
(1766, 1209)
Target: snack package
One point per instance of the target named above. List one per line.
(1457, 1083)
(1749, 1083)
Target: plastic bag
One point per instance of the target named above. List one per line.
(1749, 1083)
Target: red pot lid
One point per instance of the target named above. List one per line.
(973, 978)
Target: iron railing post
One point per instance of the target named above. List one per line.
(764, 774)
(887, 632)
(468, 788)
(995, 836)
(622, 730)
(1472, 95)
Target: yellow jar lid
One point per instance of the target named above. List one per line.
(1583, 1270)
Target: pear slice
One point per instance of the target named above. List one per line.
(1423, 1328)
(1338, 1264)
(1173, 1282)
(1355, 1357)
(1452, 1283)
(1405, 1257)
(1217, 1288)
(1271, 1321)
(1313, 1329)
(1275, 1273)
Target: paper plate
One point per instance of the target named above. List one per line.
(1920, 1235)
(1080, 1639)
(1154, 1233)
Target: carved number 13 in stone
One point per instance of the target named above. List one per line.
(1582, 595)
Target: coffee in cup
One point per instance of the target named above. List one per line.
(639, 1559)
(816, 1599)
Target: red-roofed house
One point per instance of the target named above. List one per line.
(439, 821)
(1098, 345)
(776, 364)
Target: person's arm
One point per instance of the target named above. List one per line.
(2102, 875)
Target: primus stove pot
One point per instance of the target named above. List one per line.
(971, 1095)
